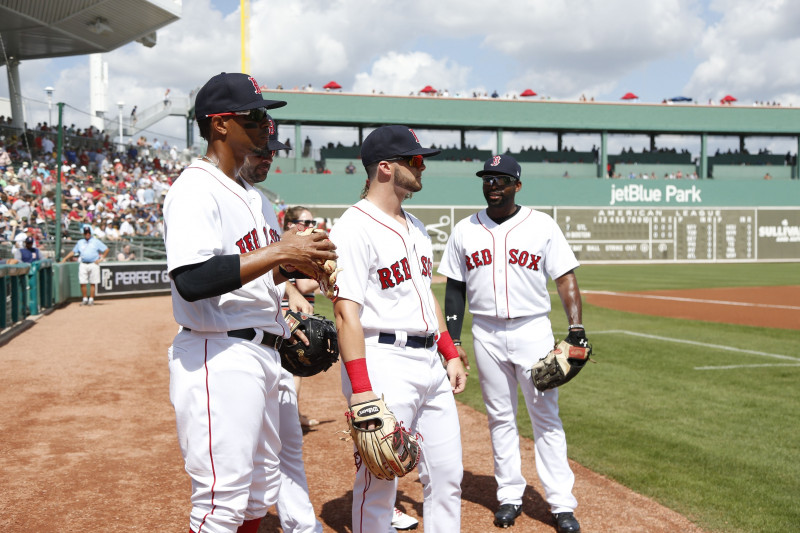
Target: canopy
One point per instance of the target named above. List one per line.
(331, 85)
(527, 92)
(428, 89)
(680, 99)
(629, 96)
(728, 98)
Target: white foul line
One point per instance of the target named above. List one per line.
(729, 367)
(693, 300)
(706, 345)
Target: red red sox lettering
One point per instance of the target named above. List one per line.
(400, 271)
(515, 257)
(249, 242)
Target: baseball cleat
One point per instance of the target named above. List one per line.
(403, 522)
(506, 514)
(566, 523)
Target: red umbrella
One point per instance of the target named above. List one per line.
(728, 98)
(527, 92)
(629, 96)
(428, 89)
(331, 85)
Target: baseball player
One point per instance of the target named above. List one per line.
(226, 262)
(295, 512)
(500, 259)
(390, 326)
(91, 252)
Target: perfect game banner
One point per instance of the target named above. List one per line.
(133, 277)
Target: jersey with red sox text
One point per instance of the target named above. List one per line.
(506, 266)
(387, 269)
(207, 214)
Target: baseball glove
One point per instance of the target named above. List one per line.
(323, 348)
(388, 449)
(327, 279)
(562, 363)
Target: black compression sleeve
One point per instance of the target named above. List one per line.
(214, 277)
(455, 298)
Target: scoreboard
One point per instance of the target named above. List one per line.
(645, 234)
(681, 234)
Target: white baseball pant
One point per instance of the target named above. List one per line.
(416, 389)
(225, 394)
(505, 350)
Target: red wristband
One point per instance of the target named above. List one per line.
(446, 346)
(357, 372)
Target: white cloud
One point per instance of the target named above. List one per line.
(750, 53)
(402, 74)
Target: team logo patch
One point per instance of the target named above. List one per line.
(271, 127)
(366, 411)
(255, 84)
(495, 161)
(414, 134)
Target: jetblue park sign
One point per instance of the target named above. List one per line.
(655, 194)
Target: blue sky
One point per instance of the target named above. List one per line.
(560, 48)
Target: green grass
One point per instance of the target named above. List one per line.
(721, 447)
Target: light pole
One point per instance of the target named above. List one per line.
(120, 105)
(49, 91)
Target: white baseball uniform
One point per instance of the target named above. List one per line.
(295, 512)
(387, 269)
(506, 268)
(224, 389)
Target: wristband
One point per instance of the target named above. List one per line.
(292, 275)
(575, 326)
(446, 346)
(357, 372)
(457, 342)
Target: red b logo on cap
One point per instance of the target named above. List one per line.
(255, 84)
(495, 160)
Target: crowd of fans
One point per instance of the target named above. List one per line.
(118, 194)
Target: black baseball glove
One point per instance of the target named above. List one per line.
(322, 350)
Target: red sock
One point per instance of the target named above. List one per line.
(249, 526)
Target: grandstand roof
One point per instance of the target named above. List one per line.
(34, 30)
(342, 109)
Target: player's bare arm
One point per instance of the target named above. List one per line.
(570, 295)
(351, 340)
(297, 302)
(455, 368)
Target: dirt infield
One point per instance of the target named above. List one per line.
(769, 307)
(88, 440)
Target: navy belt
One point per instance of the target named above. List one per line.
(270, 339)
(411, 342)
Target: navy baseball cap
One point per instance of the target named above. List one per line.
(274, 143)
(227, 92)
(388, 142)
(501, 164)
(29, 240)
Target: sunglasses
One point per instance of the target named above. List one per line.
(413, 161)
(253, 115)
(499, 180)
(308, 223)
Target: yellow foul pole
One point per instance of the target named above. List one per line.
(245, 32)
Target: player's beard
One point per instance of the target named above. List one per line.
(405, 179)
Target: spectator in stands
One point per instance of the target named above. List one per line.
(126, 229)
(90, 251)
(126, 254)
(301, 218)
(30, 253)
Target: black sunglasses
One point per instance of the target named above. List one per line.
(308, 223)
(253, 115)
(501, 180)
